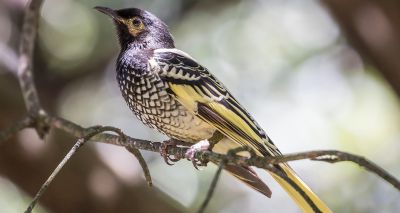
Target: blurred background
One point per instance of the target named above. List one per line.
(315, 74)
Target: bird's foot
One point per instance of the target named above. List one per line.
(202, 145)
(165, 145)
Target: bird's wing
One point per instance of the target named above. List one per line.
(199, 91)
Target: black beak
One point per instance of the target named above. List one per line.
(109, 12)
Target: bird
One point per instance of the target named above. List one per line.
(168, 90)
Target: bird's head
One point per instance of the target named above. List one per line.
(139, 29)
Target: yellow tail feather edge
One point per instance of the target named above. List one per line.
(319, 205)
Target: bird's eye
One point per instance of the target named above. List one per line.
(136, 22)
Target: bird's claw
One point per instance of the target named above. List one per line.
(164, 151)
(191, 152)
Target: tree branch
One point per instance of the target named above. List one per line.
(142, 163)
(204, 156)
(331, 156)
(25, 65)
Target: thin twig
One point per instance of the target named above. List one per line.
(93, 131)
(46, 184)
(323, 155)
(79, 131)
(25, 66)
(142, 163)
(212, 187)
(136, 153)
(26, 45)
(334, 156)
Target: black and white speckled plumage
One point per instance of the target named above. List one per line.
(147, 96)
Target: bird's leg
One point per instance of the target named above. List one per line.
(215, 138)
(165, 145)
(202, 145)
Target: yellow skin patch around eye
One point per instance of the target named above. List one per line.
(133, 29)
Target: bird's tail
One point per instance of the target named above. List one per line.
(299, 191)
(294, 186)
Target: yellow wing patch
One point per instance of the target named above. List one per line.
(187, 96)
(234, 118)
(190, 97)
